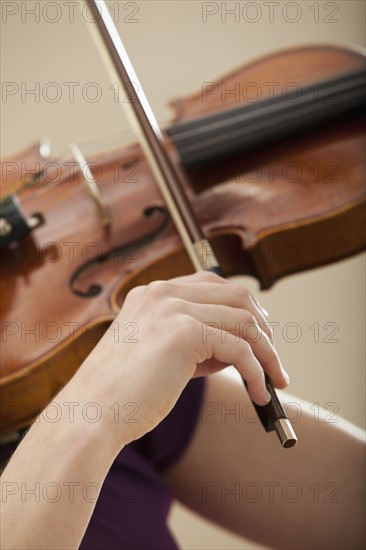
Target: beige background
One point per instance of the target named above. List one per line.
(174, 52)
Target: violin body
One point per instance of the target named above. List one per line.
(285, 208)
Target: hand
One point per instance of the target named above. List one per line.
(185, 327)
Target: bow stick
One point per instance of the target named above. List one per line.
(147, 130)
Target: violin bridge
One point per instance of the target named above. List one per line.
(92, 185)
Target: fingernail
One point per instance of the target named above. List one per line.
(265, 312)
(268, 397)
(287, 378)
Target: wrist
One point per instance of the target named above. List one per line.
(86, 409)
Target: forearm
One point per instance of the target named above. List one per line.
(50, 486)
(311, 496)
(148, 372)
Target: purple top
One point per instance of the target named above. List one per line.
(134, 502)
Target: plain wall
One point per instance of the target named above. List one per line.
(176, 47)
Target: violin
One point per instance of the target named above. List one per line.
(89, 230)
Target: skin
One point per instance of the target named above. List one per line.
(152, 372)
(311, 496)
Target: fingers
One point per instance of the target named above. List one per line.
(207, 288)
(231, 326)
(229, 350)
(243, 325)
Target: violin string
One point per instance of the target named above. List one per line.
(52, 203)
(351, 83)
(92, 146)
(66, 194)
(238, 128)
(12, 190)
(47, 187)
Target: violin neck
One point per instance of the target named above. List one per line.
(248, 127)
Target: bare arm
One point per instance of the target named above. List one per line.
(49, 488)
(310, 496)
(170, 346)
